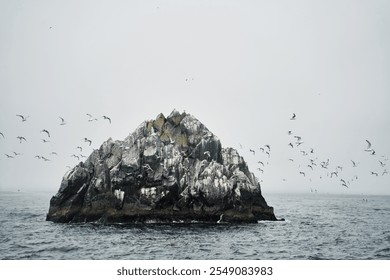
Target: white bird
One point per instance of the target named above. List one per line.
(107, 118)
(21, 138)
(24, 118)
(46, 131)
(220, 219)
(293, 117)
(62, 121)
(87, 140)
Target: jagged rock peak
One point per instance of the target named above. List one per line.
(168, 169)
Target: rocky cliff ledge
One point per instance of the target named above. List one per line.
(168, 170)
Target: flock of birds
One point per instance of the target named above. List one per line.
(46, 138)
(308, 162)
(306, 165)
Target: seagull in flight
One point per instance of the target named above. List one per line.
(62, 121)
(46, 131)
(16, 154)
(8, 156)
(303, 173)
(369, 149)
(252, 151)
(293, 117)
(45, 141)
(75, 156)
(107, 118)
(21, 138)
(2, 134)
(24, 118)
(87, 140)
(374, 173)
(354, 164)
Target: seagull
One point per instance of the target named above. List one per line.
(21, 138)
(369, 149)
(80, 148)
(17, 154)
(45, 159)
(269, 148)
(147, 166)
(303, 173)
(252, 151)
(261, 170)
(293, 117)
(382, 164)
(54, 153)
(2, 134)
(384, 172)
(290, 144)
(353, 163)
(374, 173)
(38, 157)
(334, 173)
(290, 159)
(299, 138)
(23, 117)
(299, 143)
(289, 132)
(262, 149)
(311, 150)
(310, 166)
(45, 141)
(107, 118)
(75, 156)
(8, 156)
(268, 154)
(62, 121)
(47, 132)
(261, 163)
(87, 140)
(89, 115)
(220, 219)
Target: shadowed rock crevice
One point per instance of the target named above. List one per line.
(168, 170)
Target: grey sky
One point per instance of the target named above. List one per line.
(241, 67)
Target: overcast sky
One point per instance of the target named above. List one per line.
(241, 67)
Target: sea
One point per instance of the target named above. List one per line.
(316, 226)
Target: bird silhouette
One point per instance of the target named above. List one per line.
(87, 140)
(107, 118)
(293, 117)
(21, 138)
(24, 118)
(2, 134)
(46, 131)
(62, 121)
(8, 156)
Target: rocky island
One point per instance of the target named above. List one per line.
(171, 169)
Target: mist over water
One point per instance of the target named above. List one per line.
(317, 226)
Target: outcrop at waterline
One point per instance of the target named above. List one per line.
(168, 170)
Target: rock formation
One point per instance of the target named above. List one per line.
(168, 170)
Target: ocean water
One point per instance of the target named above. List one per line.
(317, 226)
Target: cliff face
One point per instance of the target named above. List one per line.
(168, 170)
